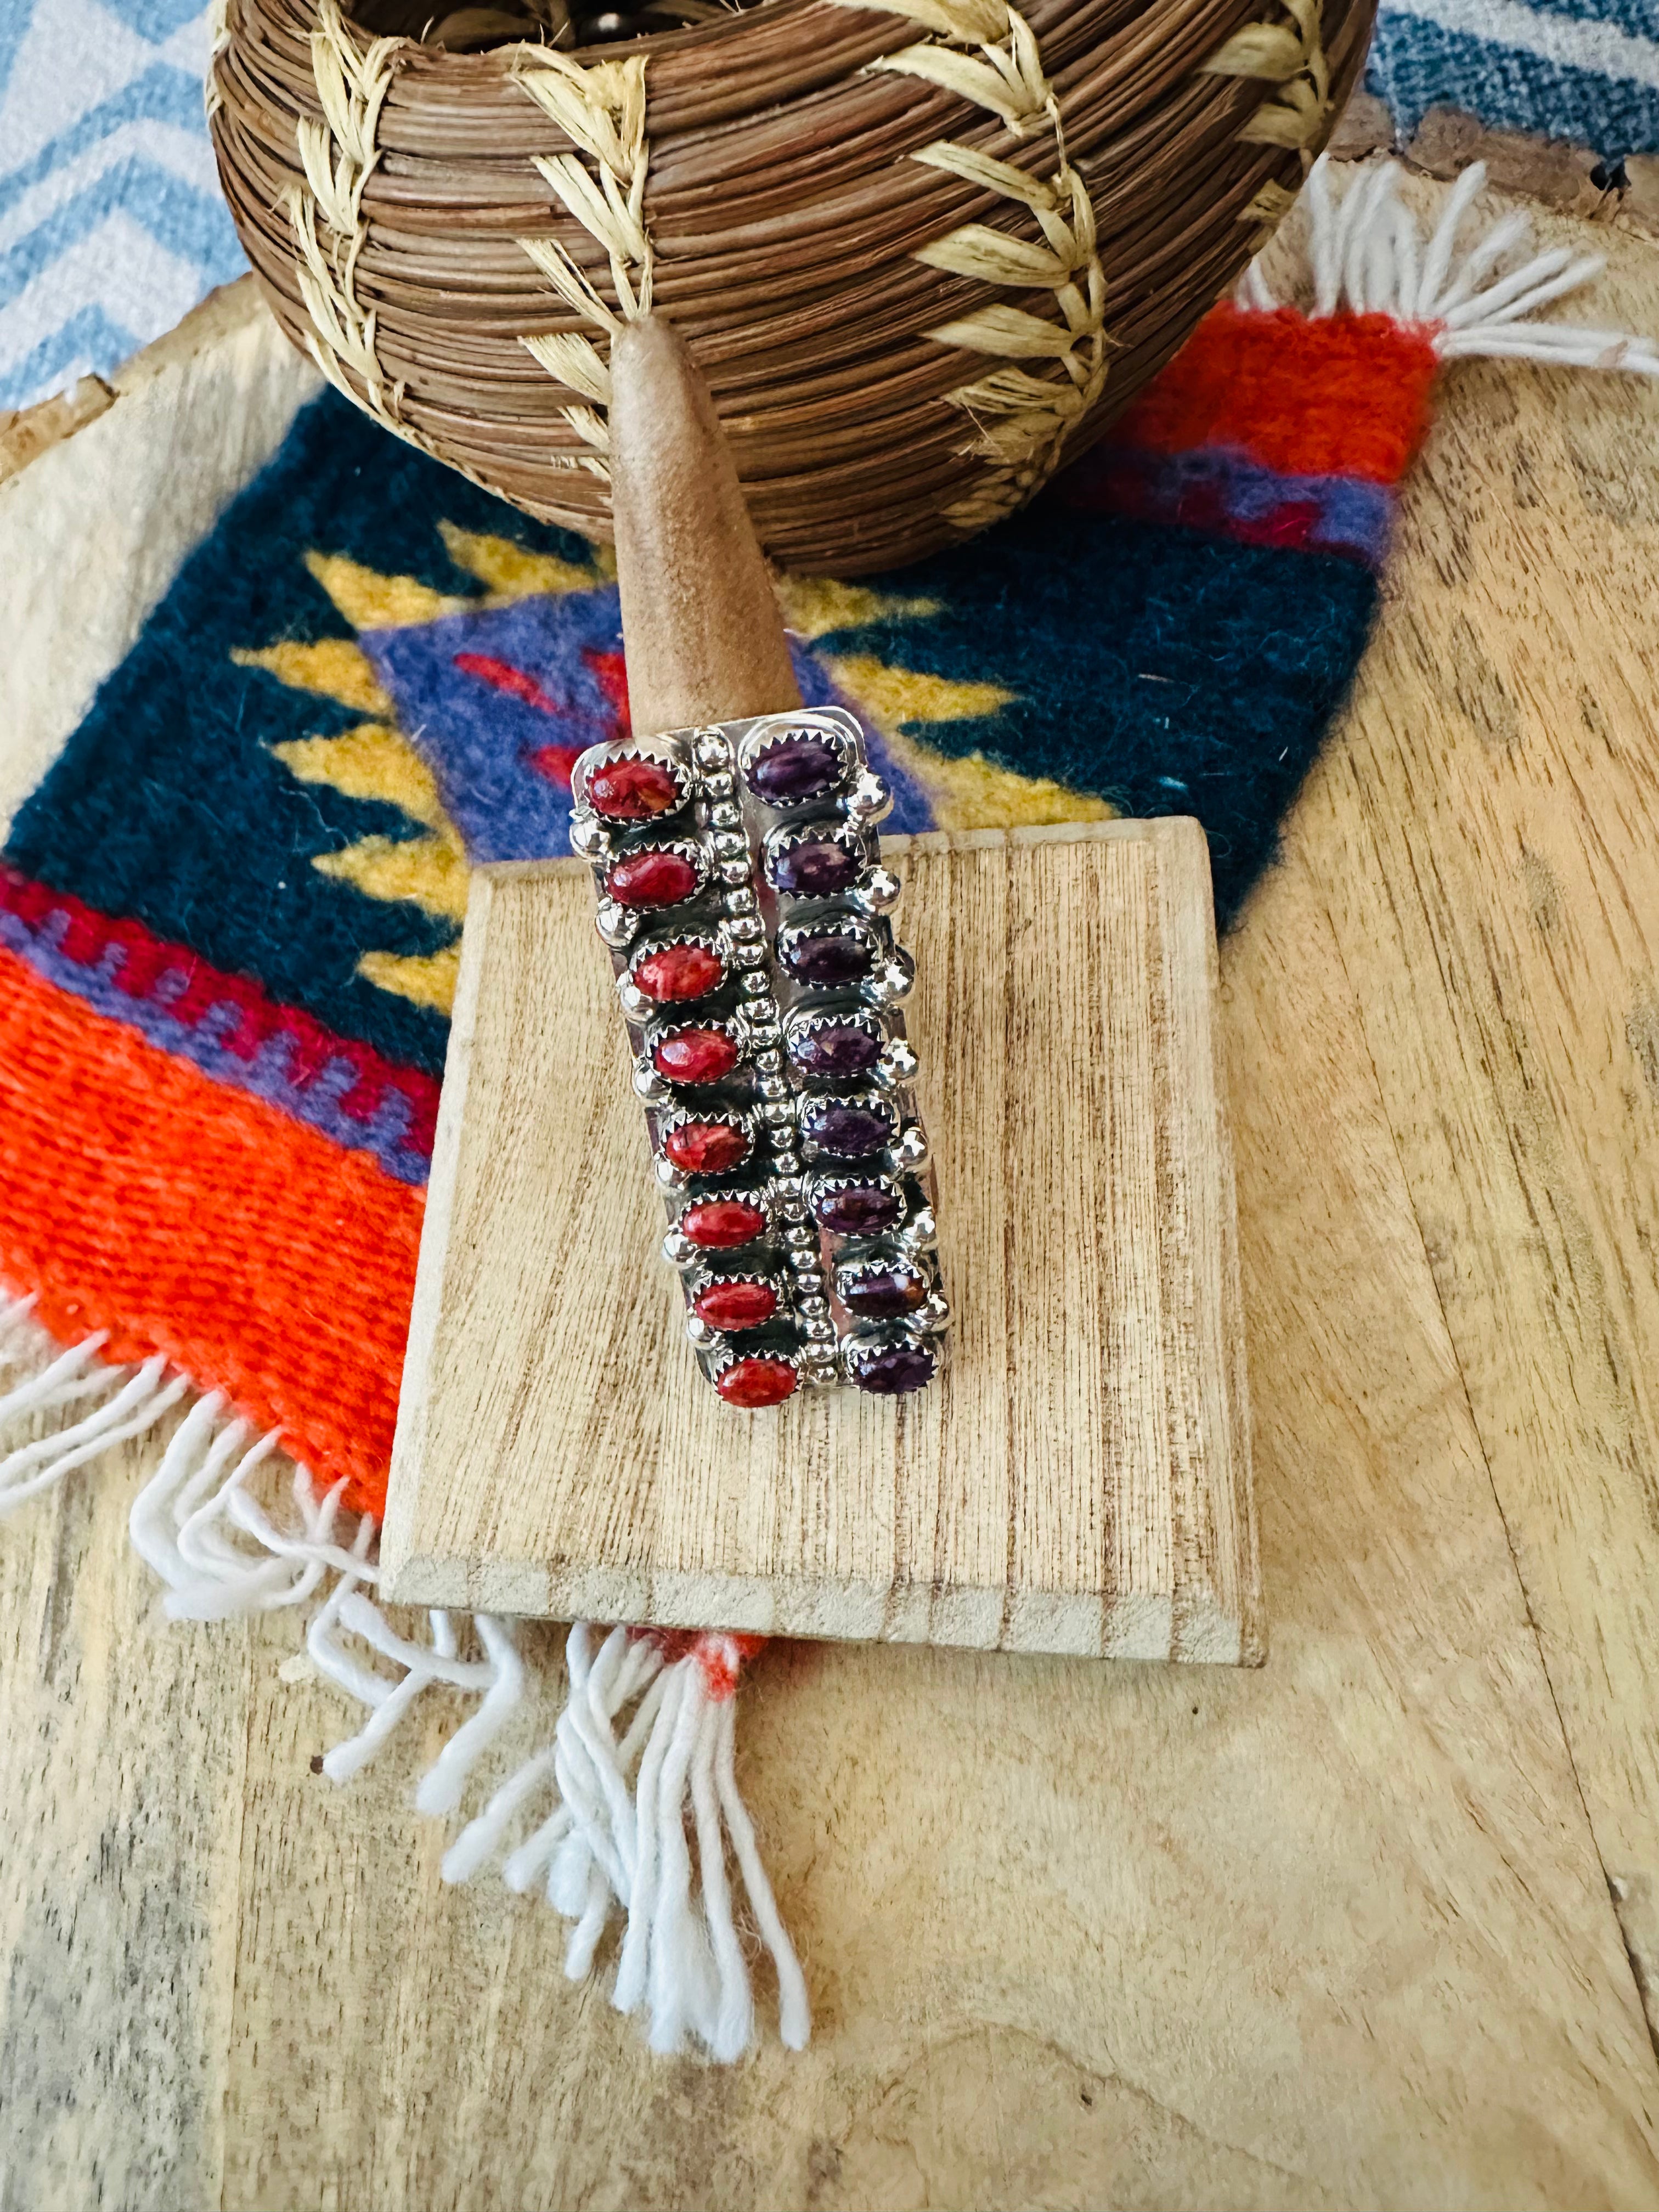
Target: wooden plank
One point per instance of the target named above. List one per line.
(1078, 1480)
(1486, 834)
(1329, 1934)
(122, 1784)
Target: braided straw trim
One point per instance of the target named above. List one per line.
(218, 38)
(1293, 58)
(1021, 420)
(338, 156)
(601, 109)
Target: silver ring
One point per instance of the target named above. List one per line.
(743, 900)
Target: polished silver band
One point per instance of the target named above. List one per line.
(745, 903)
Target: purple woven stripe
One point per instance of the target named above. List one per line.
(267, 1075)
(1214, 487)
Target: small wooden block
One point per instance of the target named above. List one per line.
(1078, 1478)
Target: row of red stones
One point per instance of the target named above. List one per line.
(637, 790)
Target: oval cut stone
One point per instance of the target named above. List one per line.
(651, 878)
(894, 1370)
(839, 1048)
(678, 971)
(755, 1381)
(850, 1130)
(706, 1148)
(857, 1209)
(800, 768)
(883, 1293)
(633, 790)
(695, 1055)
(817, 867)
(827, 956)
(735, 1305)
(717, 1224)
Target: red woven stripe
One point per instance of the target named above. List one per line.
(197, 988)
(139, 1196)
(1346, 395)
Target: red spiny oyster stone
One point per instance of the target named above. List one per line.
(659, 876)
(734, 1305)
(678, 971)
(755, 1381)
(633, 790)
(718, 1224)
(706, 1148)
(695, 1055)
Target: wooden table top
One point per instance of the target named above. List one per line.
(1371, 1926)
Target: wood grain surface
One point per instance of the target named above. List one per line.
(1078, 1479)
(1333, 1934)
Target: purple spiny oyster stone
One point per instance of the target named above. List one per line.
(861, 1209)
(799, 768)
(894, 1369)
(852, 1131)
(883, 1293)
(817, 867)
(837, 1049)
(827, 956)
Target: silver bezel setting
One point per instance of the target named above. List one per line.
(810, 1021)
(853, 926)
(664, 941)
(728, 1354)
(867, 1344)
(688, 850)
(844, 836)
(664, 1032)
(662, 754)
(774, 731)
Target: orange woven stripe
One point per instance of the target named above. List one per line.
(138, 1195)
(1345, 396)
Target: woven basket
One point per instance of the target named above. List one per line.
(921, 249)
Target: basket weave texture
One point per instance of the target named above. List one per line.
(921, 249)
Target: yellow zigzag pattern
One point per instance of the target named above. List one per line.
(969, 793)
(375, 761)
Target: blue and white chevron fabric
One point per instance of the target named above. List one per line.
(111, 222)
(112, 227)
(1584, 70)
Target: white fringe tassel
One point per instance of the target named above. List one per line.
(618, 1832)
(614, 1812)
(1368, 258)
(120, 1402)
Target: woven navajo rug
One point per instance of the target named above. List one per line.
(228, 935)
